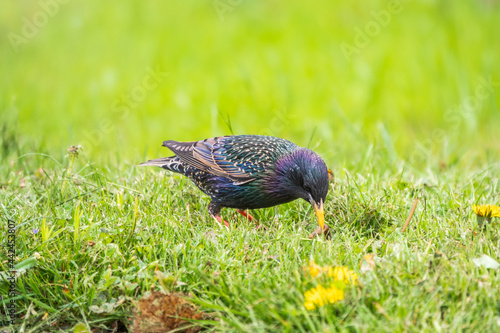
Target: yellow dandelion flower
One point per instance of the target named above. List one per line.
(343, 274)
(487, 211)
(314, 269)
(320, 296)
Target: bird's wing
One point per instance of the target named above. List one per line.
(241, 158)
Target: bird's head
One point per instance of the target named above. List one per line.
(309, 176)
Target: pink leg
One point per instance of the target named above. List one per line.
(250, 218)
(214, 211)
(220, 220)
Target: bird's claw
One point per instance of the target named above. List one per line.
(318, 231)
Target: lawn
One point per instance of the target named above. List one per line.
(400, 98)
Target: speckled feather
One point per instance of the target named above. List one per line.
(248, 171)
(241, 158)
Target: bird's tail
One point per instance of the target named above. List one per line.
(170, 163)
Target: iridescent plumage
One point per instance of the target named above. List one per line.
(249, 171)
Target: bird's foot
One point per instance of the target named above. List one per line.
(220, 220)
(260, 226)
(325, 231)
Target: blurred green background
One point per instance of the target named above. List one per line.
(414, 81)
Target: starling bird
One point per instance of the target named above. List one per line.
(250, 172)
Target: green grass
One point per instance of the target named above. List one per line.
(142, 220)
(414, 114)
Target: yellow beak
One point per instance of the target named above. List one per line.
(320, 213)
